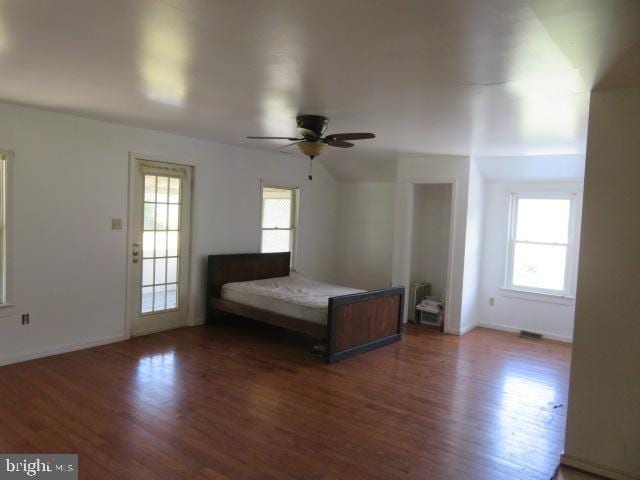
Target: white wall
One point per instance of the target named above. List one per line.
(470, 313)
(513, 312)
(603, 424)
(431, 235)
(69, 178)
(432, 169)
(365, 234)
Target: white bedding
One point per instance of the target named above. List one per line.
(293, 296)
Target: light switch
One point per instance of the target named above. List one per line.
(116, 224)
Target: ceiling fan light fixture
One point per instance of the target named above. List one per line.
(311, 149)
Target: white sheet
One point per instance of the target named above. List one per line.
(293, 296)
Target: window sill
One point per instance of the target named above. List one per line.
(537, 296)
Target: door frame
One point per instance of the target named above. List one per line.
(129, 283)
(407, 242)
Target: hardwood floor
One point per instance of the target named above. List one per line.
(251, 403)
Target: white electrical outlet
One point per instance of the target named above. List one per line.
(492, 301)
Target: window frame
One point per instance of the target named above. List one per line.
(295, 208)
(572, 243)
(6, 158)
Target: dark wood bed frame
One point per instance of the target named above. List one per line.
(356, 323)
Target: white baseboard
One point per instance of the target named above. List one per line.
(612, 473)
(460, 331)
(506, 328)
(47, 352)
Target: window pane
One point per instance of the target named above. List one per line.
(172, 244)
(147, 299)
(172, 296)
(147, 272)
(161, 269)
(158, 297)
(149, 188)
(174, 190)
(174, 217)
(276, 207)
(276, 241)
(539, 266)
(172, 270)
(543, 220)
(149, 216)
(163, 189)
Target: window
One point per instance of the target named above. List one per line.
(542, 245)
(279, 220)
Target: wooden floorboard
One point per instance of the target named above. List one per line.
(249, 402)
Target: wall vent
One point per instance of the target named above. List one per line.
(527, 334)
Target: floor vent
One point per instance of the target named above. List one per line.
(526, 334)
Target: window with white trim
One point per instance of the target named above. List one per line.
(542, 243)
(278, 223)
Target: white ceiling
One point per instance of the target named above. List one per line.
(470, 77)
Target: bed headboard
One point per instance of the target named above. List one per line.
(242, 267)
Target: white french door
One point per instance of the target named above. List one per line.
(160, 212)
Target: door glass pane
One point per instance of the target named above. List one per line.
(544, 220)
(149, 216)
(174, 217)
(163, 189)
(160, 243)
(161, 216)
(147, 272)
(174, 190)
(147, 299)
(276, 241)
(158, 298)
(539, 266)
(149, 188)
(172, 270)
(161, 270)
(172, 244)
(148, 248)
(172, 295)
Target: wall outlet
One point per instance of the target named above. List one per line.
(492, 301)
(25, 319)
(116, 224)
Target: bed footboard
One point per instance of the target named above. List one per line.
(363, 321)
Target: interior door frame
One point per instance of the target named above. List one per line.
(134, 157)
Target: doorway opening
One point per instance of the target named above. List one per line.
(429, 258)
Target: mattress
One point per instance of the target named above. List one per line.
(293, 296)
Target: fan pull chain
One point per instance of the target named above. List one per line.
(310, 168)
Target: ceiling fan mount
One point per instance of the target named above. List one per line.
(314, 141)
(312, 126)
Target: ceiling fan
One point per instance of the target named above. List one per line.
(312, 143)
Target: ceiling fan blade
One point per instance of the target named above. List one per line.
(338, 143)
(275, 138)
(349, 136)
(289, 144)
